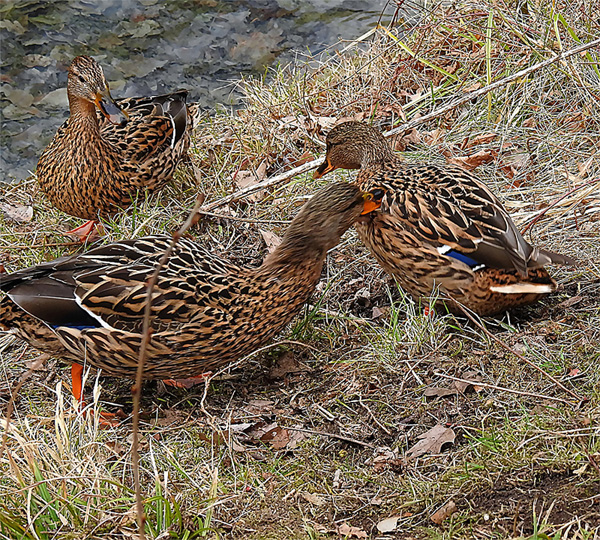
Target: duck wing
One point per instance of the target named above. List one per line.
(457, 213)
(155, 124)
(107, 286)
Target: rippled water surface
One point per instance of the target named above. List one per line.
(150, 46)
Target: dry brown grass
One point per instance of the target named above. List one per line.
(521, 466)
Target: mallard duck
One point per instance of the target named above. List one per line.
(440, 226)
(107, 151)
(207, 312)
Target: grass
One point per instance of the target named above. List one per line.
(356, 364)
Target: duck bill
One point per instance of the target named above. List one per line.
(110, 109)
(323, 169)
(369, 206)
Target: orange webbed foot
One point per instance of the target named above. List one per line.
(88, 232)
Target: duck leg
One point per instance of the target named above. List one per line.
(77, 383)
(106, 419)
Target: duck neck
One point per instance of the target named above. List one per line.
(376, 154)
(83, 113)
(297, 249)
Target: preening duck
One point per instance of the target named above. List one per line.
(440, 226)
(206, 312)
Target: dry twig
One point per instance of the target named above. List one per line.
(146, 335)
(519, 356)
(502, 389)
(280, 178)
(333, 435)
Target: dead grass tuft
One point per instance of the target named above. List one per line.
(310, 441)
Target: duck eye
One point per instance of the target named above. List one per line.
(81, 79)
(377, 194)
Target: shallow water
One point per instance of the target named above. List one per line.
(148, 47)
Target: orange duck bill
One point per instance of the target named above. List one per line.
(372, 201)
(324, 168)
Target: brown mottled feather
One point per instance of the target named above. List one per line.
(206, 311)
(94, 167)
(428, 208)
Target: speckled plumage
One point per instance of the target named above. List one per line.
(206, 311)
(100, 158)
(440, 226)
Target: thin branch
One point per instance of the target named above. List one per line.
(269, 182)
(246, 220)
(146, 335)
(502, 389)
(541, 213)
(485, 89)
(373, 417)
(332, 435)
(280, 178)
(518, 355)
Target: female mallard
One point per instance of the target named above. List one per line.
(440, 226)
(108, 151)
(206, 311)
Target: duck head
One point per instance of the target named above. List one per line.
(353, 145)
(86, 81)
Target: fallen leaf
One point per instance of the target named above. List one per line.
(473, 377)
(350, 532)
(312, 498)
(471, 88)
(37, 363)
(116, 447)
(304, 158)
(278, 437)
(570, 302)
(388, 524)
(378, 312)
(285, 364)
(271, 240)
(248, 178)
(509, 171)
(386, 458)
(326, 122)
(295, 438)
(484, 138)
(444, 512)
(434, 391)
(473, 161)
(412, 137)
(19, 213)
(433, 441)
